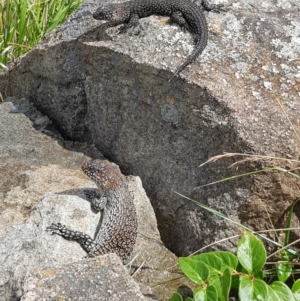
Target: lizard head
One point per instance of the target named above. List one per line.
(112, 12)
(105, 174)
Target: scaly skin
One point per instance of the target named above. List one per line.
(182, 12)
(118, 230)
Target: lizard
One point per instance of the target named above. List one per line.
(118, 229)
(183, 12)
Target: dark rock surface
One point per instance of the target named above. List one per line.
(112, 90)
(41, 183)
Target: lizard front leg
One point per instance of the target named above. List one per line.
(85, 241)
(97, 203)
(133, 22)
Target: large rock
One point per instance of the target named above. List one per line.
(112, 90)
(104, 278)
(41, 183)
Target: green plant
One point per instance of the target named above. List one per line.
(24, 22)
(217, 273)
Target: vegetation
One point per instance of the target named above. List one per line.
(217, 273)
(247, 274)
(24, 22)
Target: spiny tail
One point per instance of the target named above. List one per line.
(198, 50)
(201, 42)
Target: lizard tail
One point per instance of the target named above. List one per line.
(200, 45)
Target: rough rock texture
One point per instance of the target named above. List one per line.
(42, 183)
(100, 279)
(111, 90)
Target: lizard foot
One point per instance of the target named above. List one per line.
(59, 229)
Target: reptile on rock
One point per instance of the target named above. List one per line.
(183, 12)
(118, 230)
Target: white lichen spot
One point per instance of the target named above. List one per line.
(290, 104)
(236, 5)
(268, 85)
(288, 50)
(224, 81)
(293, 29)
(256, 95)
(242, 67)
(284, 4)
(253, 77)
(269, 68)
(265, 4)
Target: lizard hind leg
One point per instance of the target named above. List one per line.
(85, 241)
(179, 19)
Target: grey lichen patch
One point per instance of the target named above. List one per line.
(169, 113)
(212, 118)
(242, 69)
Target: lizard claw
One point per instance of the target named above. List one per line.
(56, 228)
(124, 28)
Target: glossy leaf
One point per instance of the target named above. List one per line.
(222, 284)
(284, 271)
(229, 260)
(251, 253)
(226, 285)
(176, 297)
(251, 289)
(206, 294)
(280, 291)
(296, 290)
(212, 261)
(196, 270)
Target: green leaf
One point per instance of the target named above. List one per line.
(280, 291)
(296, 290)
(226, 284)
(259, 275)
(288, 225)
(212, 261)
(206, 294)
(189, 299)
(222, 284)
(218, 262)
(23, 8)
(195, 270)
(251, 253)
(284, 271)
(235, 282)
(176, 297)
(229, 260)
(251, 289)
